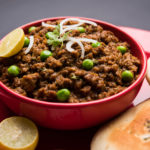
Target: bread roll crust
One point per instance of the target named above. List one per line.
(130, 131)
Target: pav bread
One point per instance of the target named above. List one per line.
(130, 131)
(148, 71)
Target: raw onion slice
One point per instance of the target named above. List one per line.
(30, 45)
(69, 46)
(82, 39)
(48, 25)
(79, 41)
(66, 20)
(70, 28)
(75, 40)
(87, 40)
(73, 25)
(89, 22)
(65, 26)
(76, 25)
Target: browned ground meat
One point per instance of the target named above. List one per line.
(42, 79)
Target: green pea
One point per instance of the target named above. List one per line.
(45, 54)
(63, 95)
(127, 76)
(13, 70)
(81, 29)
(50, 35)
(26, 42)
(94, 45)
(87, 64)
(31, 29)
(122, 49)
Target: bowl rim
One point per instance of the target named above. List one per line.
(26, 99)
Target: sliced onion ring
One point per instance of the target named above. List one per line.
(66, 20)
(80, 44)
(73, 25)
(89, 22)
(76, 25)
(48, 25)
(65, 26)
(70, 28)
(30, 45)
(69, 46)
(87, 40)
(79, 41)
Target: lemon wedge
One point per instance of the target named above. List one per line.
(18, 133)
(12, 43)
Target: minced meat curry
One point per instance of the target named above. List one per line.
(70, 60)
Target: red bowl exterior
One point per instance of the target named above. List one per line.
(78, 115)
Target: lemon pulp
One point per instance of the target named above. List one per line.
(18, 133)
(12, 43)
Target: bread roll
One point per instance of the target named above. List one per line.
(130, 131)
(148, 71)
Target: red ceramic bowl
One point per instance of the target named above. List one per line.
(78, 115)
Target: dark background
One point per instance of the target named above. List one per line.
(133, 13)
